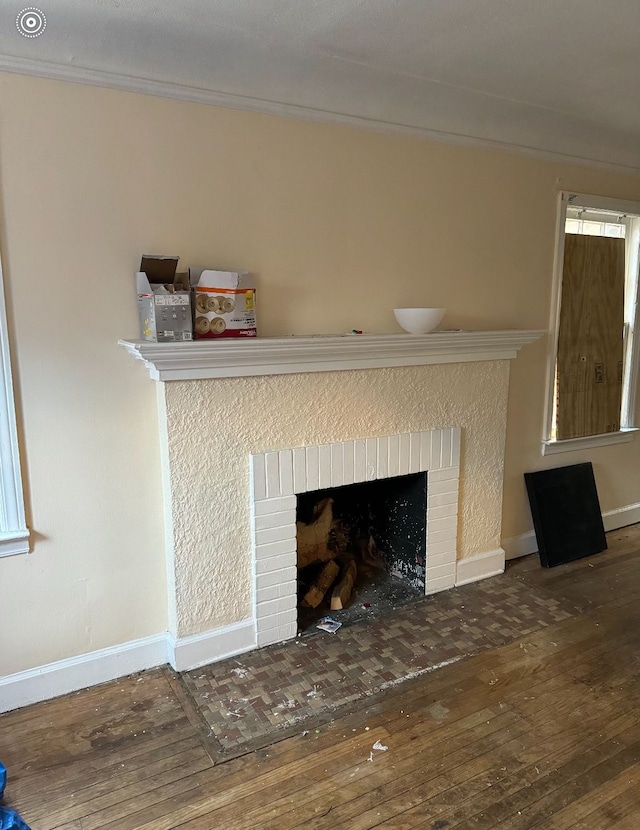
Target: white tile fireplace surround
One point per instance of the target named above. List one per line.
(277, 477)
(244, 426)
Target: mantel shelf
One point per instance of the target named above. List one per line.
(203, 359)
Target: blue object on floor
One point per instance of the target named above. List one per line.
(9, 819)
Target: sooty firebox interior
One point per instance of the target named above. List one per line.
(361, 549)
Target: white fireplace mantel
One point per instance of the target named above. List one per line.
(203, 359)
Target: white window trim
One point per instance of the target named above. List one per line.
(14, 534)
(632, 362)
(588, 442)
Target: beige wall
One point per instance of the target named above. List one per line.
(339, 225)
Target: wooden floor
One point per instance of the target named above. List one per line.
(542, 733)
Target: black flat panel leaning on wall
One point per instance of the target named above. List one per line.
(566, 513)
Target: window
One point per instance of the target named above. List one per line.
(593, 359)
(14, 535)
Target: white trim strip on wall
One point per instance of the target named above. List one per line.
(526, 543)
(480, 566)
(211, 646)
(74, 673)
(14, 535)
(96, 667)
(622, 517)
(522, 545)
(589, 442)
(181, 92)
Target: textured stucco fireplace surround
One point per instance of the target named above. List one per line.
(244, 426)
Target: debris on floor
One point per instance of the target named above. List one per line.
(329, 624)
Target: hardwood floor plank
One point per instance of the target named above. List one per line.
(297, 800)
(629, 822)
(600, 807)
(602, 774)
(167, 814)
(460, 792)
(595, 764)
(120, 789)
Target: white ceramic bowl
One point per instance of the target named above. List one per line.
(419, 320)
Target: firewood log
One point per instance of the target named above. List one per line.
(323, 582)
(312, 538)
(370, 554)
(344, 588)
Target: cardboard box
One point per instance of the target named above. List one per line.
(225, 304)
(164, 301)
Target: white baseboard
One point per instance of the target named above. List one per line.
(522, 545)
(623, 516)
(70, 675)
(64, 676)
(526, 543)
(480, 566)
(191, 652)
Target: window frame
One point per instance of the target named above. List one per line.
(14, 534)
(632, 344)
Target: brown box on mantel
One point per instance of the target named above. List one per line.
(164, 300)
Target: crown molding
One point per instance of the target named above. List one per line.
(198, 95)
(206, 359)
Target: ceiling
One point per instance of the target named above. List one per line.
(558, 78)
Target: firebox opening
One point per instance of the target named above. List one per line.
(361, 549)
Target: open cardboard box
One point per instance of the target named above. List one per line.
(164, 300)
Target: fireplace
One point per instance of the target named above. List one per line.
(278, 477)
(245, 426)
(361, 547)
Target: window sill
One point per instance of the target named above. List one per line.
(13, 542)
(588, 442)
